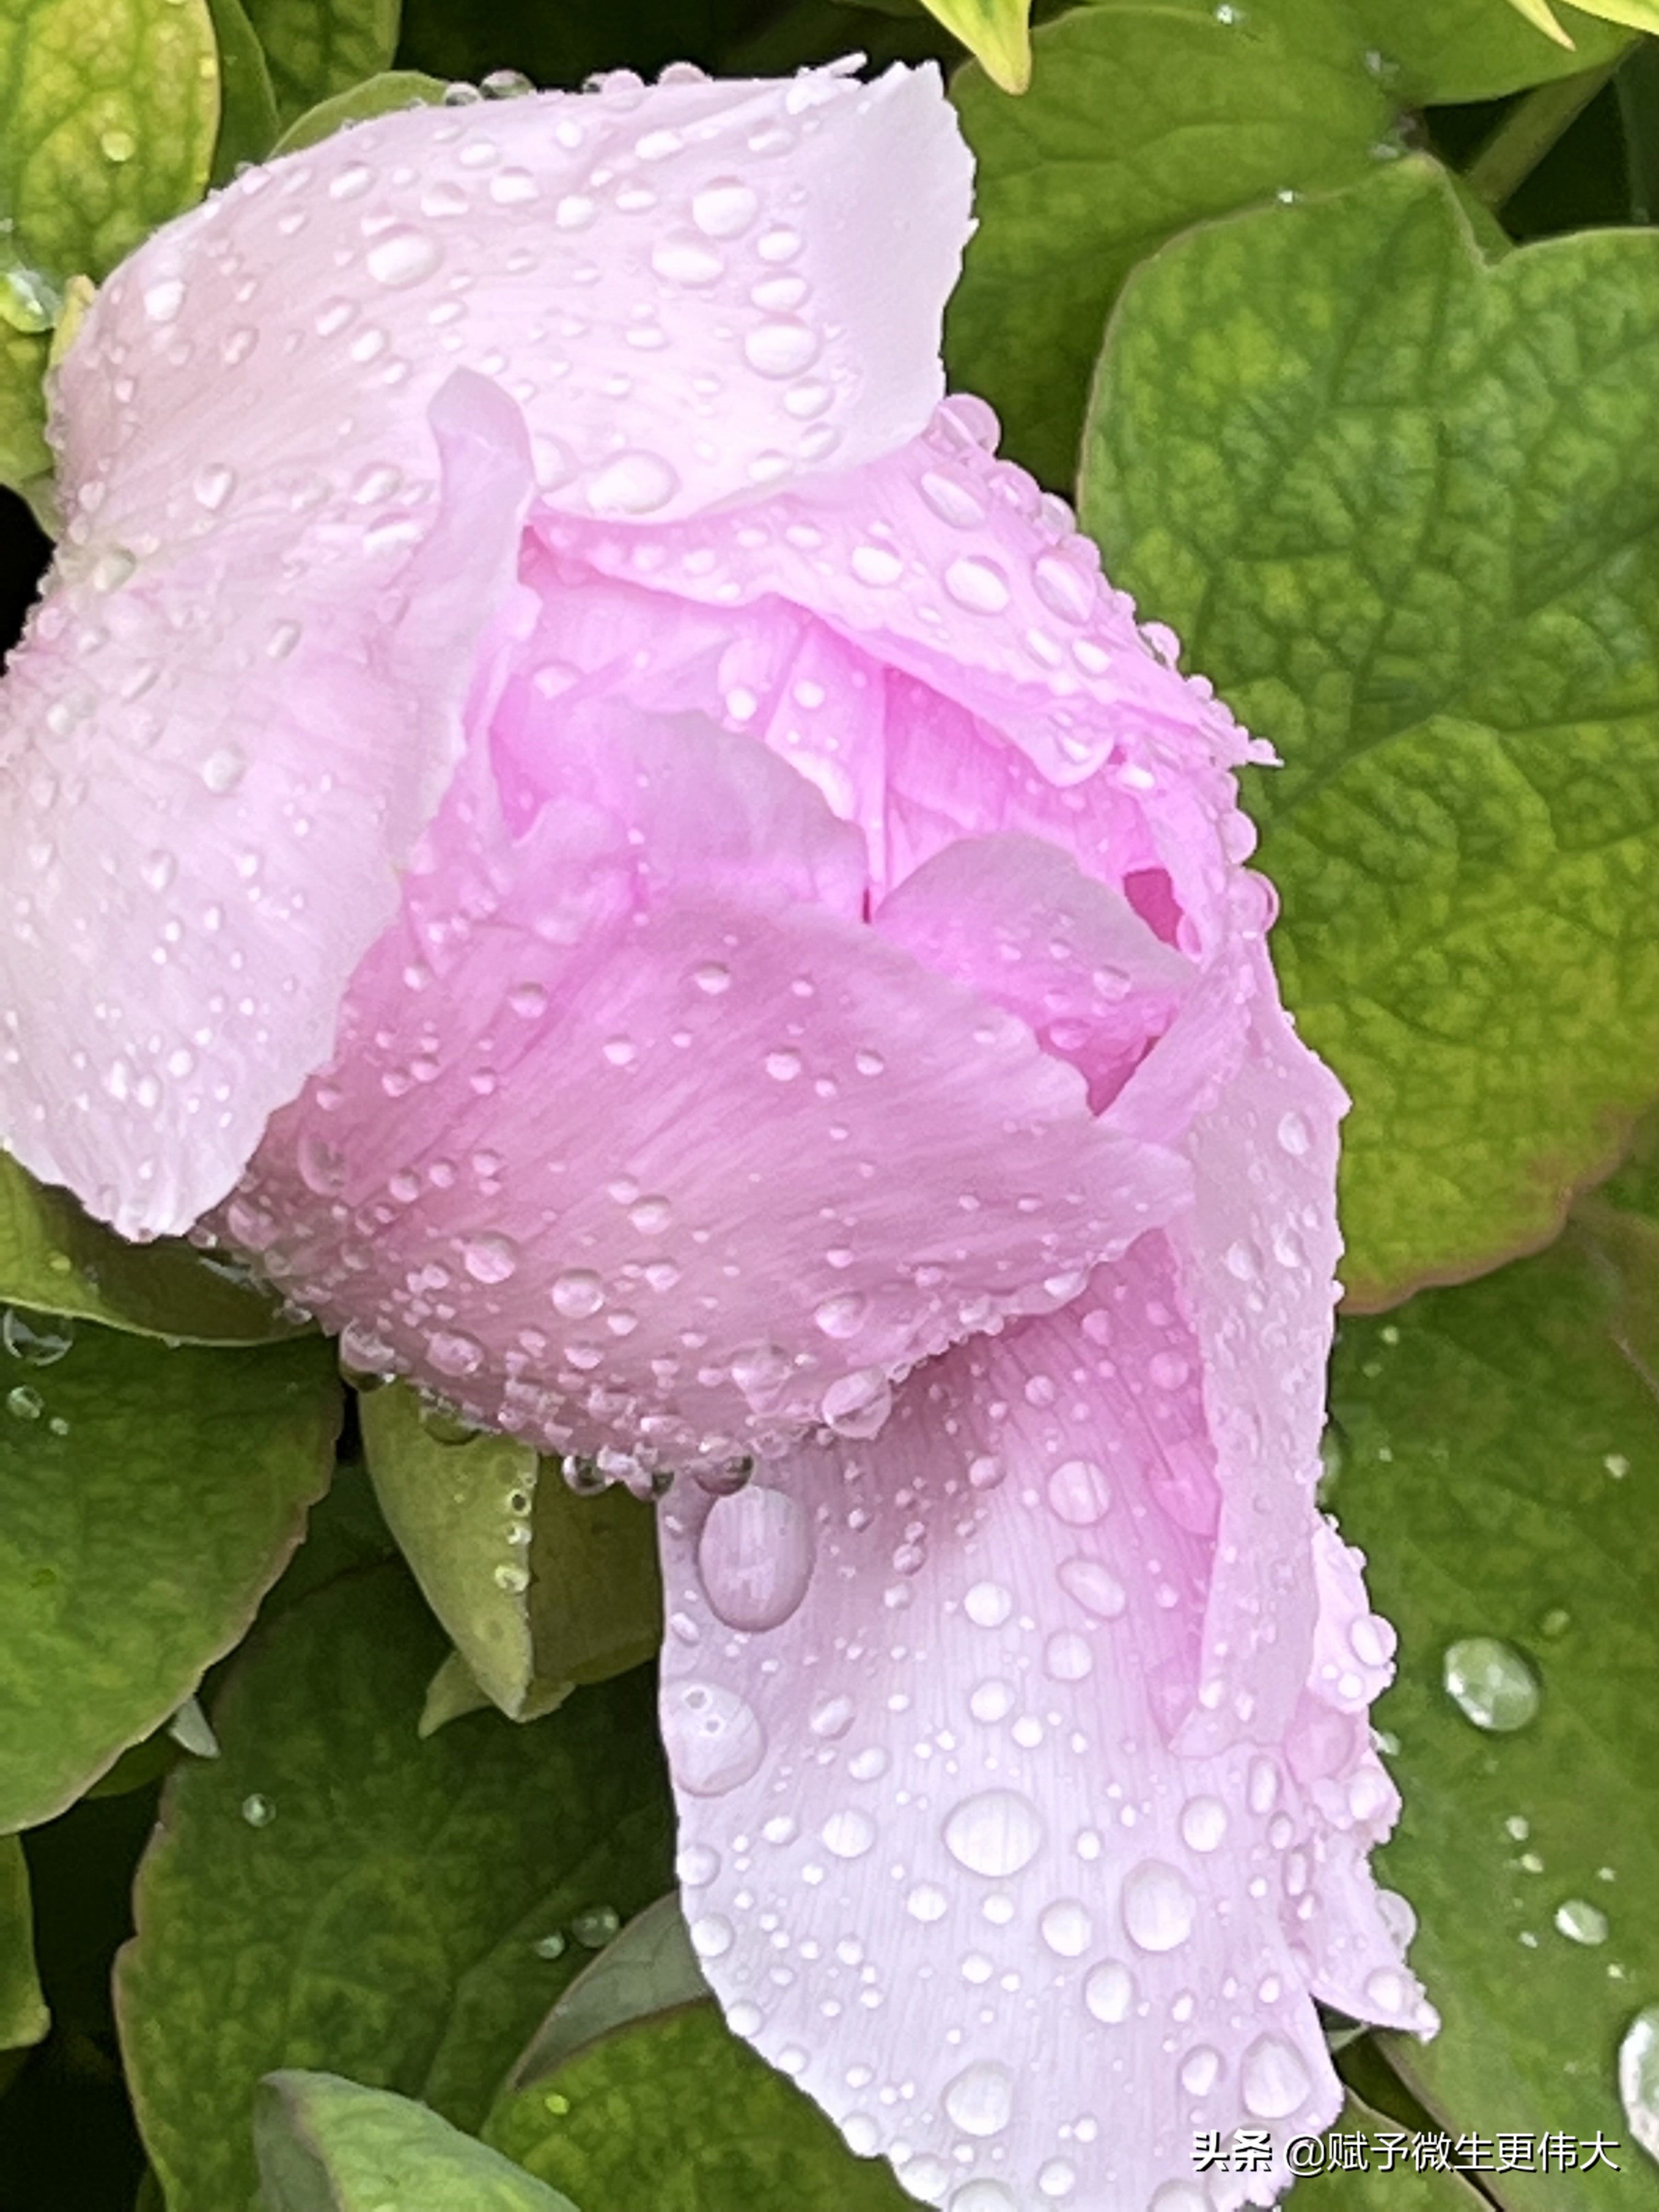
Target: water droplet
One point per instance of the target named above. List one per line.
(878, 565)
(1078, 1492)
(849, 1835)
(755, 1556)
(1490, 1684)
(981, 2099)
(830, 1718)
(983, 2196)
(1057, 2178)
(595, 1925)
(403, 256)
(1068, 1657)
(28, 301)
(117, 145)
(995, 1834)
(577, 1293)
(712, 1935)
(214, 484)
(1638, 2078)
(549, 1946)
(1094, 1587)
(633, 483)
(1158, 1905)
(321, 1165)
(1201, 2070)
(977, 584)
(714, 1740)
(725, 207)
(1203, 1823)
(987, 1604)
(1066, 1928)
(1581, 1921)
(857, 1405)
(781, 348)
(452, 1351)
(489, 1259)
(514, 1581)
(38, 1339)
(258, 1812)
(224, 769)
(24, 1404)
(1273, 2078)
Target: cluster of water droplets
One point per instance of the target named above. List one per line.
(33, 1342)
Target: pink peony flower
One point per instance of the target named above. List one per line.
(576, 812)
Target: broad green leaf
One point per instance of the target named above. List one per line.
(148, 1498)
(1404, 509)
(107, 118)
(380, 95)
(326, 2145)
(997, 33)
(247, 111)
(674, 2111)
(537, 1588)
(23, 2015)
(1502, 1471)
(333, 1893)
(651, 1967)
(317, 48)
(1387, 2181)
(1142, 118)
(54, 1257)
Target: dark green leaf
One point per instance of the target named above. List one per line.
(537, 1588)
(107, 120)
(325, 2145)
(674, 2112)
(54, 1256)
(332, 1892)
(1445, 50)
(651, 1967)
(247, 108)
(23, 2014)
(1404, 507)
(317, 48)
(1502, 1471)
(147, 1500)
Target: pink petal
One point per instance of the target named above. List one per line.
(638, 1140)
(942, 1861)
(221, 747)
(692, 290)
(950, 570)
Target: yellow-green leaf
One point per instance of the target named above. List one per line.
(1639, 15)
(997, 33)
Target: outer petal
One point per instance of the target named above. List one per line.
(941, 1860)
(638, 1140)
(213, 761)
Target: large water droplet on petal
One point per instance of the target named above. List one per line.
(1638, 2078)
(489, 1259)
(724, 208)
(995, 1834)
(1094, 1587)
(1158, 1905)
(1491, 1683)
(1078, 1492)
(1273, 2078)
(633, 483)
(403, 256)
(1109, 1991)
(755, 1556)
(981, 2099)
(714, 1740)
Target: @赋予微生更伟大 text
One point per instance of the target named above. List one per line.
(1250, 2150)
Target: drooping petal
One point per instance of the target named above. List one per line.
(942, 1858)
(639, 1140)
(216, 758)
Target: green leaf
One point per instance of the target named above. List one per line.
(1636, 14)
(53, 1256)
(1384, 2184)
(107, 120)
(380, 95)
(674, 2112)
(1448, 51)
(326, 2145)
(147, 1500)
(563, 45)
(23, 2015)
(1144, 116)
(333, 1893)
(247, 116)
(317, 48)
(537, 1588)
(1502, 1471)
(997, 33)
(651, 1967)
(25, 456)
(1404, 507)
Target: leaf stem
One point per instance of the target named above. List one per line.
(1527, 133)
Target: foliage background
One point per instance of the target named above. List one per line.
(1341, 320)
